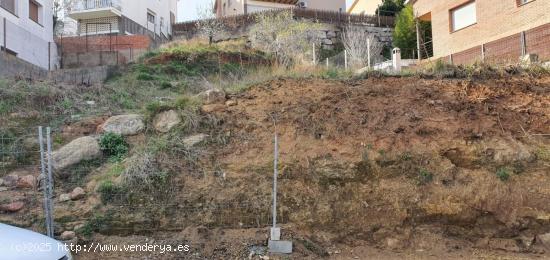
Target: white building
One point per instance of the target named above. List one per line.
(154, 17)
(238, 7)
(26, 31)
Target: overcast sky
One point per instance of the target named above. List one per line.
(188, 8)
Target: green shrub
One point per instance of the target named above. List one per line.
(425, 177)
(145, 76)
(114, 146)
(109, 191)
(165, 85)
(95, 224)
(502, 174)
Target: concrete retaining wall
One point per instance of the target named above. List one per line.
(13, 67)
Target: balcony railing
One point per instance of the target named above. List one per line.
(83, 5)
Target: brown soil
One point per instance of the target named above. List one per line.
(400, 164)
(382, 168)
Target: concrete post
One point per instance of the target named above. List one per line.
(483, 52)
(523, 44)
(396, 58)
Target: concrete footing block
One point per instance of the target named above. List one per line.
(280, 246)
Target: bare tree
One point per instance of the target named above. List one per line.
(355, 40)
(60, 10)
(280, 34)
(208, 25)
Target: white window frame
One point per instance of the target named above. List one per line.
(461, 10)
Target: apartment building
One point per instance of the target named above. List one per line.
(481, 29)
(26, 31)
(237, 7)
(154, 17)
(366, 7)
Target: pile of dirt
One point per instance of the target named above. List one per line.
(396, 163)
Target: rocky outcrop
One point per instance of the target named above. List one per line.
(166, 120)
(12, 207)
(124, 124)
(213, 96)
(26, 182)
(77, 193)
(84, 148)
(194, 140)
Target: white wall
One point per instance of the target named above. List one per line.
(26, 37)
(136, 10)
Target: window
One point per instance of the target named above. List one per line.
(463, 16)
(34, 11)
(9, 5)
(150, 17)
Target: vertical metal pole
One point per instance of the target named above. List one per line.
(523, 44)
(5, 36)
(368, 53)
(327, 63)
(418, 39)
(346, 59)
(314, 56)
(49, 56)
(44, 181)
(483, 52)
(275, 173)
(50, 179)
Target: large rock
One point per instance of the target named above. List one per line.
(10, 180)
(26, 182)
(213, 96)
(67, 235)
(166, 120)
(12, 207)
(64, 197)
(77, 193)
(194, 140)
(124, 124)
(544, 239)
(84, 148)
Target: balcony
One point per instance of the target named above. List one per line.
(90, 9)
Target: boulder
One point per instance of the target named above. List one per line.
(12, 207)
(26, 182)
(10, 180)
(193, 140)
(84, 148)
(166, 120)
(77, 193)
(124, 124)
(64, 197)
(231, 103)
(67, 235)
(213, 96)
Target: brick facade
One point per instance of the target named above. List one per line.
(495, 20)
(80, 44)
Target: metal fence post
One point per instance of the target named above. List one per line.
(5, 36)
(314, 56)
(327, 63)
(44, 181)
(368, 53)
(523, 44)
(50, 180)
(275, 162)
(483, 52)
(346, 59)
